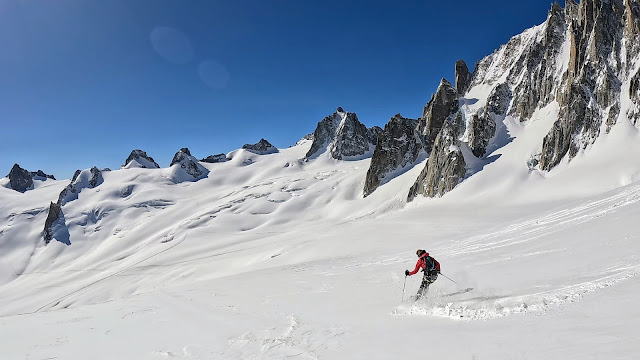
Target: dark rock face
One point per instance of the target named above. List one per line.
(352, 138)
(483, 126)
(41, 175)
(593, 81)
(96, 177)
(444, 169)
(463, 77)
(531, 64)
(634, 94)
(262, 147)
(343, 135)
(632, 28)
(141, 158)
(55, 226)
(90, 178)
(373, 133)
(442, 105)
(189, 164)
(537, 68)
(54, 213)
(325, 133)
(20, 179)
(215, 158)
(180, 155)
(481, 130)
(398, 146)
(498, 100)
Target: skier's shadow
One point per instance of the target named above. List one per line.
(458, 292)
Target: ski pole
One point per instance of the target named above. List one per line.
(447, 277)
(405, 285)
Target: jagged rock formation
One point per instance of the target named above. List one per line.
(41, 175)
(188, 168)
(600, 33)
(444, 169)
(634, 94)
(81, 180)
(55, 210)
(442, 105)
(262, 147)
(374, 132)
(463, 77)
(180, 156)
(583, 57)
(343, 135)
(398, 146)
(20, 179)
(483, 125)
(140, 159)
(215, 158)
(55, 226)
(531, 63)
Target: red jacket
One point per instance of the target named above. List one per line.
(421, 264)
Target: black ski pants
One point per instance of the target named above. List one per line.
(427, 279)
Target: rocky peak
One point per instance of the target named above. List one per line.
(463, 77)
(187, 167)
(442, 105)
(20, 179)
(343, 135)
(180, 155)
(262, 147)
(41, 175)
(215, 158)
(141, 159)
(591, 95)
(444, 170)
(399, 145)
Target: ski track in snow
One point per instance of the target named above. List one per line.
(486, 307)
(531, 229)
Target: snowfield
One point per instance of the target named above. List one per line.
(270, 257)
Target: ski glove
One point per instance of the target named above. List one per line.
(406, 273)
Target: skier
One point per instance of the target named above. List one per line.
(430, 267)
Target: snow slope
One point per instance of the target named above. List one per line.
(270, 257)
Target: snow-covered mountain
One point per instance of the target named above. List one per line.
(584, 61)
(524, 177)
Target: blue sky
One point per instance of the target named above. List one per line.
(82, 83)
